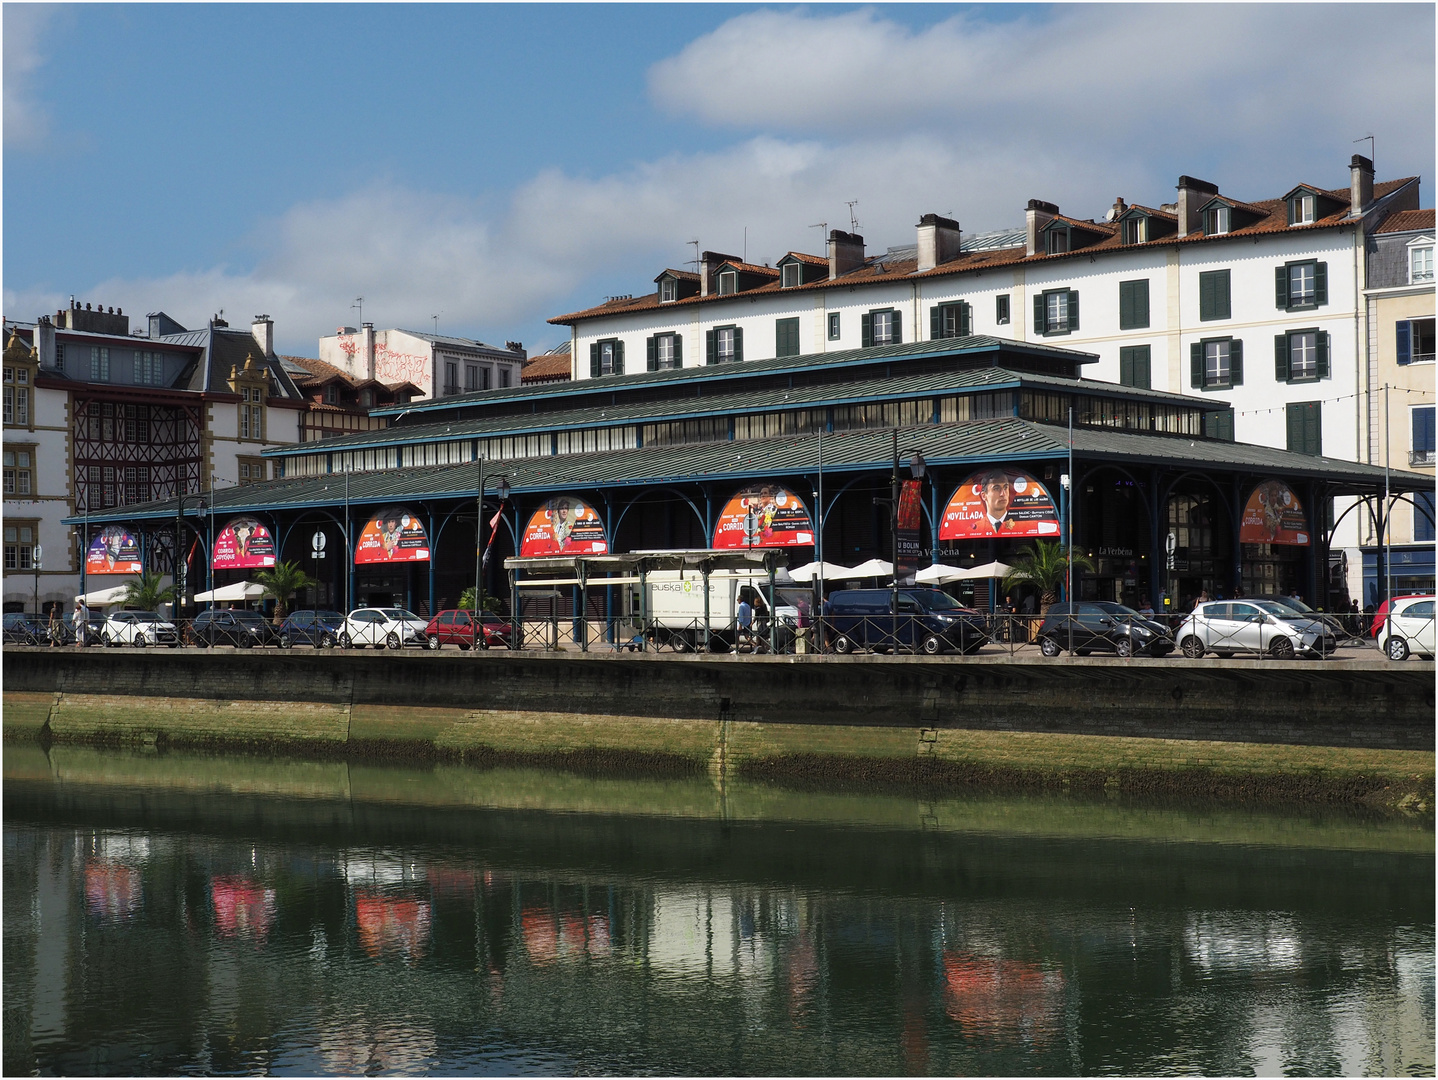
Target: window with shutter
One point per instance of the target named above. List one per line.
(786, 337)
(1422, 452)
(1056, 311)
(1134, 366)
(1001, 310)
(1305, 427)
(1213, 295)
(949, 321)
(1217, 363)
(594, 360)
(1219, 425)
(1133, 305)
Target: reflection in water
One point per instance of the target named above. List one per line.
(345, 939)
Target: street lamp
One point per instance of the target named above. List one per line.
(35, 562)
(181, 563)
(918, 467)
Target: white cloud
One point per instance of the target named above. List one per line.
(26, 121)
(1258, 87)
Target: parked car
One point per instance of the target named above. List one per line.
(242, 629)
(22, 628)
(1333, 622)
(1381, 615)
(139, 628)
(93, 629)
(927, 620)
(383, 627)
(1253, 626)
(456, 627)
(1102, 626)
(1408, 629)
(318, 628)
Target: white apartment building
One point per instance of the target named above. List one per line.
(439, 366)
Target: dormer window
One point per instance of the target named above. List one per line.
(1217, 221)
(668, 290)
(1135, 230)
(367, 398)
(332, 394)
(728, 283)
(1058, 241)
(791, 275)
(1420, 260)
(1301, 210)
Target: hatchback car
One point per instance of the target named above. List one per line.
(1253, 626)
(392, 628)
(927, 620)
(242, 629)
(456, 627)
(1333, 622)
(24, 629)
(1102, 626)
(139, 628)
(1409, 629)
(318, 628)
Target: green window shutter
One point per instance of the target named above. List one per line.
(1221, 297)
(1143, 367)
(936, 323)
(1404, 335)
(898, 325)
(738, 344)
(1195, 359)
(711, 346)
(651, 362)
(594, 360)
(1292, 211)
(1235, 363)
(1125, 366)
(1125, 305)
(1295, 428)
(966, 319)
(1320, 283)
(1039, 327)
(1280, 357)
(1205, 297)
(866, 331)
(786, 335)
(1322, 351)
(1140, 304)
(1313, 427)
(678, 350)
(619, 358)
(1073, 309)
(1280, 287)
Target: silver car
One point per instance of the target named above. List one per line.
(1260, 627)
(139, 628)
(392, 628)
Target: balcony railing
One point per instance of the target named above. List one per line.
(1422, 458)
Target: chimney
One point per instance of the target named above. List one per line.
(1119, 209)
(1191, 195)
(709, 262)
(367, 348)
(1360, 188)
(1038, 214)
(938, 241)
(263, 329)
(846, 252)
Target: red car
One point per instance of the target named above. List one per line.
(1381, 615)
(456, 627)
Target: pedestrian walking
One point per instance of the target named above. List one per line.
(744, 619)
(81, 620)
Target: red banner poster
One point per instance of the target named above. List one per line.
(1273, 515)
(392, 536)
(999, 502)
(910, 508)
(564, 526)
(115, 551)
(765, 515)
(244, 544)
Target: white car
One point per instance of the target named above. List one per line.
(382, 627)
(139, 628)
(1408, 628)
(1257, 627)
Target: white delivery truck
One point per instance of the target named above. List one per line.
(673, 606)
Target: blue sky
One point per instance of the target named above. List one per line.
(496, 165)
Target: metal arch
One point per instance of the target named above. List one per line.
(1366, 502)
(1121, 469)
(1168, 489)
(635, 501)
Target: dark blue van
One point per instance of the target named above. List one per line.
(927, 620)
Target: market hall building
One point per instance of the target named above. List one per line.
(793, 452)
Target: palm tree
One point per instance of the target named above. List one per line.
(146, 593)
(1044, 564)
(282, 582)
(466, 601)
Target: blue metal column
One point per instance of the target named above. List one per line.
(432, 553)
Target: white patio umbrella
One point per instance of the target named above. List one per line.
(874, 568)
(938, 574)
(240, 590)
(104, 597)
(830, 571)
(987, 570)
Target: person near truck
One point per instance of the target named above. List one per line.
(744, 619)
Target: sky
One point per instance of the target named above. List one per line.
(477, 169)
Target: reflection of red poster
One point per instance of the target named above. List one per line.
(765, 515)
(564, 526)
(1273, 516)
(549, 935)
(111, 888)
(242, 908)
(114, 551)
(1003, 999)
(393, 535)
(242, 544)
(392, 923)
(999, 502)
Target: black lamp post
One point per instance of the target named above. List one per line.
(181, 563)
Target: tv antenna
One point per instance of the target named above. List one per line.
(853, 221)
(696, 260)
(436, 324)
(359, 304)
(823, 228)
(1372, 146)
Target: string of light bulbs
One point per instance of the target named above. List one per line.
(1409, 390)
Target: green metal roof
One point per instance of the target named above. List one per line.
(709, 373)
(899, 387)
(971, 442)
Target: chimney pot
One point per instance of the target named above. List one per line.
(1360, 194)
(938, 241)
(1036, 216)
(1192, 193)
